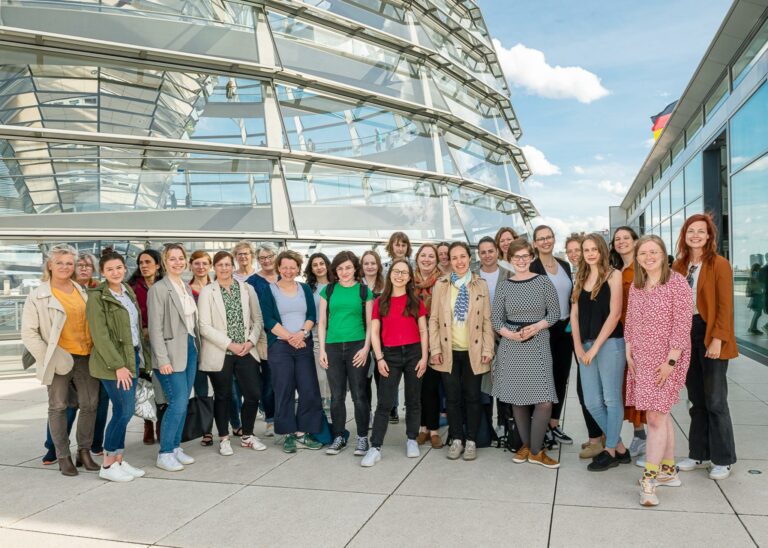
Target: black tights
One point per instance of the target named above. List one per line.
(532, 431)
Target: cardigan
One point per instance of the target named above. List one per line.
(714, 299)
(272, 314)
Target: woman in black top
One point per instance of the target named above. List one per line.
(598, 339)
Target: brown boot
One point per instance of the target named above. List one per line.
(84, 459)
(67, 467)
(149, 432)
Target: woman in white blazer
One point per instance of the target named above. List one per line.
(55, 331)
(175, 340)
(232, 329)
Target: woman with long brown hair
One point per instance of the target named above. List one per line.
(713, 343)
(598, 339)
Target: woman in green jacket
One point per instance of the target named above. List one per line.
(114, 318)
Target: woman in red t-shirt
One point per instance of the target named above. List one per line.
(400, 347)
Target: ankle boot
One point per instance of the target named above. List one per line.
(149, 432)
(66, 467)
(84, 459)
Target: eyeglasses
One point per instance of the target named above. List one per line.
(544, 239)
(400, 272)
(266, 257)
(691, 272)
(518, 258)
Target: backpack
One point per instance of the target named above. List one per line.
(329, 292)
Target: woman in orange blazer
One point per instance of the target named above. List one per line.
(713, 343)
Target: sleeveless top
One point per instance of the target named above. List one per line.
(593, 314)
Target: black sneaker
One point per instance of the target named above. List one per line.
(623, 458)
(603, 462)
(549, 441)
(394, 418)
(336, 446)
(561, 437)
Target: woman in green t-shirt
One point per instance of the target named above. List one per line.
(345, 340)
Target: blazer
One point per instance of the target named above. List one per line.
(481, 334)
(42, 320)
(714, 299)
(110, 326)
(213, 324)
(538, 267)
(167, 328)
(272, 314)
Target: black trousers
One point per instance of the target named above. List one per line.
(340, 372)
(430, 399)
(293, 371)
(402, 362)
(462, 381)
(561, 345)
(711, 433)
(248, 377)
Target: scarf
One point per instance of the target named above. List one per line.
(461, 307)
(423, 287)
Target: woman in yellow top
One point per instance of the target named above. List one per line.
(461, 343)
(55, 331)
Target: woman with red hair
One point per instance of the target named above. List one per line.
(713, 343)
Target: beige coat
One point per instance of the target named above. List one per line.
(213, 324)
(481, 341)
(41, 323)
(167, 326)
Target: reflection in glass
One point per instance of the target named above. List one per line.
(749, 131)
(693, 178)
(378, 14)
(475, 161)
(750, 55)
(677, 191)
(328, 125)
(749, 251)
(482, 215)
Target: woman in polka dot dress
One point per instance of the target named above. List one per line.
(658, 347)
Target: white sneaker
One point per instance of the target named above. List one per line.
(412, 449)
(115, 473)
(637, 447)
(500, 431)
(182, 457)
(132, 470)
(686, 465)
(168, 462)
(371, 457)
(252, 442)
(718, 472)
(270, 431)
(225, 448)
(640, 461)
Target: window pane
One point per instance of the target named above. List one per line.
(753, 52)
(693, 179)
(718, 97)
(676, 192)
(677, 224)
(749, 131)
(697, 206)
(749, 224)
(677, 148)
(483, 215)
(220, 29)
(664, 202)
(475, 161)
(378, 14)
(693, 127)
(665, 163)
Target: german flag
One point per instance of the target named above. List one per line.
(660, 120)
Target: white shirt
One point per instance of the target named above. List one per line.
(190, 308)
(563, 285)
(133, 314)
(491, 278)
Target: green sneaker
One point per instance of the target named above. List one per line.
(289, 445)
(308, 442)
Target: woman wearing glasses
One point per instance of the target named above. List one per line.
(243, 253)
(525, 309)
(657, 335)
(713, 343)
(560, 341)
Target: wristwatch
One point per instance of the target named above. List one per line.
(306, 332)
(672, 362)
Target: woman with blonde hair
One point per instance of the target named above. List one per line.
(54, 329)
(598, 340)
(175, 340)
(243, 253)
(658, 342)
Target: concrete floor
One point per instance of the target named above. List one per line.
(310, 499)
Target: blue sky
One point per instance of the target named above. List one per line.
(585, 78)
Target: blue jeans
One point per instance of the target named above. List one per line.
(123, 407)
(177, 387)
(601, 382)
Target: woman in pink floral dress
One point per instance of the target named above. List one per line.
(658, 346)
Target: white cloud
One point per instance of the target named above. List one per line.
(614, 188)
(579, 170)
(648, 143)
(538, 162)
(528, 68)
(564, 227)
(599, 157)
(531, 183)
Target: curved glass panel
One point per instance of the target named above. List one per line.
(475, 161)
(482, 215)
(312, 49)
(219, 28)
(344, 203)
(377, 14)
(328, 125)
(70, 92)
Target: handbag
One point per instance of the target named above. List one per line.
(27, 359)
(199, 419)
(325, 436)
(145, 400)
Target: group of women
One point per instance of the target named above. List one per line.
(639, 329)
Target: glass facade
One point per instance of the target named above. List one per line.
(317, 124)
